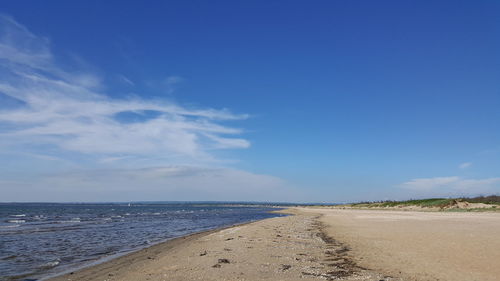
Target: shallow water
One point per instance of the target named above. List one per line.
(38, 240)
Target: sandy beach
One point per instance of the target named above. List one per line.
(322, 244)
(420, 245)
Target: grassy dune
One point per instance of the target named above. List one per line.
(481, 203)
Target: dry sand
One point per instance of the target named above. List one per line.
(420, 245)
(323, 244)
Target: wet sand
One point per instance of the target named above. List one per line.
(323, 244)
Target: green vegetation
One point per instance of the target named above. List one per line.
(493, 209)
(432, 202)
(441, 203)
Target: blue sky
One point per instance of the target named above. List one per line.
(249, 100)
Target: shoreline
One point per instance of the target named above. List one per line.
(139, 252)
(293, 247)
(110, 258)
(321, 244)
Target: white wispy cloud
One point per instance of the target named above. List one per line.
(453, 185)
(174, 182)
(125, 79)
(429, 183)
(465, 165)
(171, 83)
(69, 111)
(73, 142)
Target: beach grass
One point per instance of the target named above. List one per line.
(431, 202)
(436, 203)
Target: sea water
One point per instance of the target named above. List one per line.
(42, 239)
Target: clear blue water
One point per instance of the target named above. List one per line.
(38, 240)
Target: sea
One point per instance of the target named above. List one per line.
(39, 240)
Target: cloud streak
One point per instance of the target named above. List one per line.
(174, 182)
(453, 185)
(465, 165)
(171, 83)
(69, 111)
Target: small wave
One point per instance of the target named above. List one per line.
(70, 221)
(10, 226)
(51, 264)
(16, 221)
(64, 226)
(18, 216)
(11, 257)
